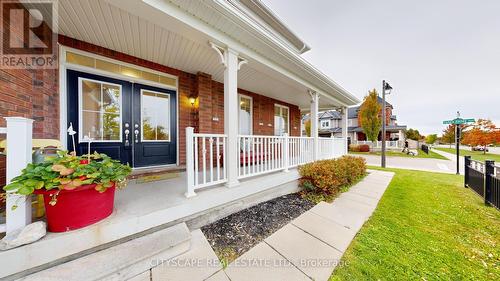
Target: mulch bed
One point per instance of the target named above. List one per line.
(235, 234)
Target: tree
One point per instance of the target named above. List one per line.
(482, 133)
(369, 116)
(307, 126)
(448, 134)
(413, 134)
(430, 139)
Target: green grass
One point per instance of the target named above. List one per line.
(421, 154)
(427, 227)
(476, 155)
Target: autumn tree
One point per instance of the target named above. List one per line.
(369, 116)
(448, 134)
(307, 126)
(430, 139)
(482, 133)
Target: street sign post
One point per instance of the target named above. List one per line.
(457, 122)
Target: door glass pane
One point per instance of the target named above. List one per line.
(101, 111)
(91, 95)
(91, 123)
(155, 116)
(245, 116)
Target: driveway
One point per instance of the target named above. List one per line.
(423, 164)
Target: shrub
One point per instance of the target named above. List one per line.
(364, 148)
(330, 176)
(354, 148)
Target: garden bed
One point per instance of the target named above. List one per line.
(233, 235)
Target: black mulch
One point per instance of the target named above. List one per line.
(241, 231)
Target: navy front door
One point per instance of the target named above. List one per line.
(133, 123)
(155, 128)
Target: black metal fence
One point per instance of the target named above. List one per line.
(484, 179)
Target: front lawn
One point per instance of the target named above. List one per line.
(426, 227)
(421, 154)
(476, 155)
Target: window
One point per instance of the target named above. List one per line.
(100, 110)
(155, 116)
(245, 115)
(325, 124)
(281, 120)
(117, 68)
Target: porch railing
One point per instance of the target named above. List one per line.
(258, 155)
(205, 160)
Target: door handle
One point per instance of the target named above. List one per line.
(127, 132)
(136, 133)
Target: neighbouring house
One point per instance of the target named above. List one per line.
(209, 91)
(330, 124)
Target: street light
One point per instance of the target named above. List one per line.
(386, 89)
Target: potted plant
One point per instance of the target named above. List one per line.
(78, 190)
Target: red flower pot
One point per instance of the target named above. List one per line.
(77, 208)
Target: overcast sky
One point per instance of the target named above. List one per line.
(440, 56)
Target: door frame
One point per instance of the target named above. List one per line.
(63, 95)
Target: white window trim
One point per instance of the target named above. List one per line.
(251, 111)
(281, 112)
(324, 122)
(81, 134)
(169, 113)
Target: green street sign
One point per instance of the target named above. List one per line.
(458, 121)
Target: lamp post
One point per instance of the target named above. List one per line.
(388, 88)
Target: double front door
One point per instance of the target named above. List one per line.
(134, 123)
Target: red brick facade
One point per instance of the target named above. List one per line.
(34, 94)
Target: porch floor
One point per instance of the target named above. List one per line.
(139, 209)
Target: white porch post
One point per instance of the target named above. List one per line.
(189, 162)
(19, 146)
(344, 128)
(231, 115)
(314, 122)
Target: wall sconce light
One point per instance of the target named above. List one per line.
(192, 100)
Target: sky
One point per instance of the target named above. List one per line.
(440, 56)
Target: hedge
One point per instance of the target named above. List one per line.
(329, 176)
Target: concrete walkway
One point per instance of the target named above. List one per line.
(422, 164)
(311, 246)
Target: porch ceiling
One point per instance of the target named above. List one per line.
(150, 34)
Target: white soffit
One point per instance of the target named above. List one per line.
(178, 46)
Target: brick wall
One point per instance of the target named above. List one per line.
(34, 94)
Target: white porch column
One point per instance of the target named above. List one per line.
(344, 127)
(314, 122)
(19, 146)
(231, 107)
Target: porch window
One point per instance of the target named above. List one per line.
(155, 116)
(281, 120)
(100, 110)
(245, 115)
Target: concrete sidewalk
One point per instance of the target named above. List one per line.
(422, 164)
(311, 246)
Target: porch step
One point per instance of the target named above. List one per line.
(123, 261)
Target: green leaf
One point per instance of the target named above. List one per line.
(25, 190)
(13, 186)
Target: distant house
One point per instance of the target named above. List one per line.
(330, 123)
